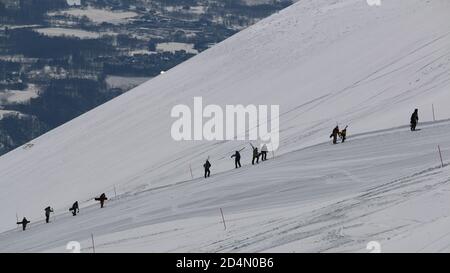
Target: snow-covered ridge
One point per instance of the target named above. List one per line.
(322, 61)
(384, 186)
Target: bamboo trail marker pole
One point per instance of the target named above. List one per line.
(440, 156)
(93, 244)
(223, 218)
(190, 168)
(434, 116)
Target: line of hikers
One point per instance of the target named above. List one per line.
(335, 134)
(237, 162)
(237, 158)
(74, 209)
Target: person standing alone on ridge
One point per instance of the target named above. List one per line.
(207, 167)
(48, 210)
(414, 119)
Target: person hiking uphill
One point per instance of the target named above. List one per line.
(335, 134)
(48, 210)
(237, 159)
(414, 119)
(207, 167)
(102, 199)
(75, 209)
(264, 152)
(24, 223)
(343, 134)
(255, 155)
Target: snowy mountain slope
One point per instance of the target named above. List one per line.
(384, 186)
(322, 61)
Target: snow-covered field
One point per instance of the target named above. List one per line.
(124, 83)
(323, 62)
(100, 15)
(18, 96)
(69, 32)
(173, 47)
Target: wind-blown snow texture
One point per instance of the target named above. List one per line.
(323, 62)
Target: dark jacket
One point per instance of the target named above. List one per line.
(335, 132)
(415, 117)
(101, 198)
(48, 210)
(24, 223)
(75, 206)
(207, 165)
(237, 155)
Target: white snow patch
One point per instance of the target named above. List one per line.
(124, 83)
(101, 15)
(68, 32)
(18, 96)
(173, 47)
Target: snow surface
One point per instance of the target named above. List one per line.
(100, 15)
(173, 47)
(385, 186)
(70, 32)
(323, 62)
(19, 96)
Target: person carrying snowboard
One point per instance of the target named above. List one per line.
(414, 119)
(102, 199)
(24, 223)
(75, 209)
(207, 167)
(343, 134)
(237, 159)
(255, 155)
(335, 134)
(264, 151)
(48, 210)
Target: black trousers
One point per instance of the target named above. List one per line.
(47, 218)
(207, 173)
(257, 160)
(413, 126)
(263, 156)
(237, 162)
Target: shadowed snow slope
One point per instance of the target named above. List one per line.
(322, 61)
